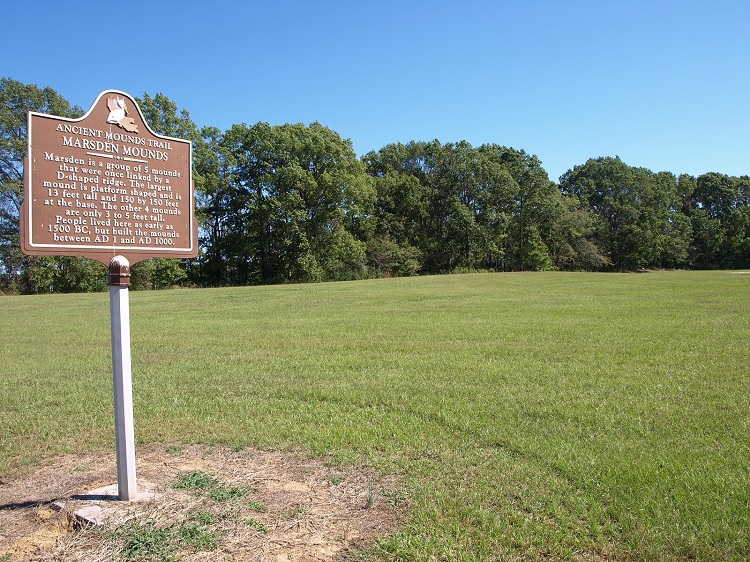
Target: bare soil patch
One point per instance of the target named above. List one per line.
(285, 507)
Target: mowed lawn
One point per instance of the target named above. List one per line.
(531, 416)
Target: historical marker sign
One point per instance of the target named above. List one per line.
(106, 185)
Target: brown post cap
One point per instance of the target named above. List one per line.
(119, 272)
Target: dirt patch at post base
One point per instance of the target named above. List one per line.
(280, 507)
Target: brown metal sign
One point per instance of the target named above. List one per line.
(106, 185)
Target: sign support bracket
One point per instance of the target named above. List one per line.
(119, 306)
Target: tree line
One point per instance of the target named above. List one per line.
(294, 203)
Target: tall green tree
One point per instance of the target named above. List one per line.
(461, 207)
(670, 226)
(720, 217)
(302, 204)
(18, 272)
(568, 235)
(402, 209)
(216, 207)
(164, 117)
(456, 181)
(637, 214)
(531, 207)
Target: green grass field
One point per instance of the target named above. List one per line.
(532, 415)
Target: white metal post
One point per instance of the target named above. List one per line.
(119, 307)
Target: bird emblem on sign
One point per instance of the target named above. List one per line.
(118, 112)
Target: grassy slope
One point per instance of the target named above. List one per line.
(533, 415)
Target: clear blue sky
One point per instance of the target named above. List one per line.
(662, 84)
